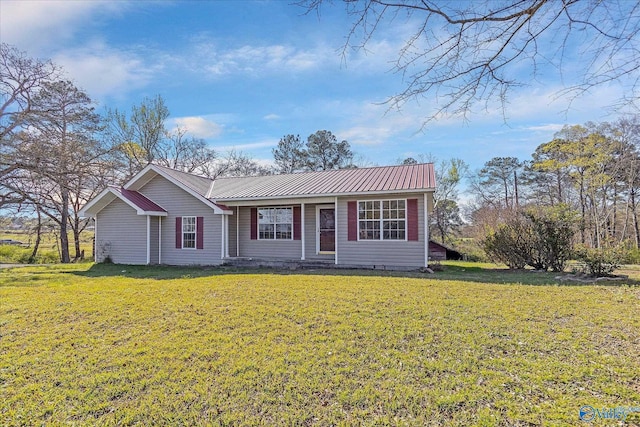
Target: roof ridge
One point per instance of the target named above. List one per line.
(323, 171)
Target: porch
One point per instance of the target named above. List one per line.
(285, 233)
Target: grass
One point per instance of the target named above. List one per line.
(48, 252)
(120, 345)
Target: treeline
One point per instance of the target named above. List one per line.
(587, 178)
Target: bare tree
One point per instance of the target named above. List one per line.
(21, 78)
(462, 53)
(185, 153)
(139, 136)
(58, 151)
(235, 164)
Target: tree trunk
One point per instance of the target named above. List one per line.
(64, 236)
(583, 225)
(635, 219)
(76, 241)
(36, 245)
(515, 187)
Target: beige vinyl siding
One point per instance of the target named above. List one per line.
(311, 234)
(178, 203)
(380, 253)
(122, 234)
(288, 249)
(233, 233)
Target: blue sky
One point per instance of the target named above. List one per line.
(243, 74)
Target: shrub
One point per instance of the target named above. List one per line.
(600, 262)
(509, 243)
(539, 238)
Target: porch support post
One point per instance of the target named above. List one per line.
(335, 227)
(159, 240)
(426, 230)
(237, 231)
(148, 239)
(226, 236)
(302, 239)
(95, 238)
(222, 237)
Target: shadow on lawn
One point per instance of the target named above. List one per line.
(450, 273)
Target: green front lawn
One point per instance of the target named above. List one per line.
(120, 345)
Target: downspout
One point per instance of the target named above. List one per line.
(159, 240)
(95, 238)
(426, 229)
(237, 231)
(335, 227)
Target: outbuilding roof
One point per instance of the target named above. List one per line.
(383, 179)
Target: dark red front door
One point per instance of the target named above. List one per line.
(327, 227)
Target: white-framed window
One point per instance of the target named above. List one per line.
(275, 223)
(188, 232)
(382, 219)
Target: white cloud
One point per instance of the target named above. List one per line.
(103, 72)
(218, 60)
(248, 146)
(199, 127)
(36, 25)
(550, 127)
(271, 117)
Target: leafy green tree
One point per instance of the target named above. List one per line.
(500, 174)
(324, 152)
(289, 156)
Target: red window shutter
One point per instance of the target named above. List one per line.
(352, 221)
(179, 232)
(200, 232)
(254, 223)
(297, 230)
(412, 219)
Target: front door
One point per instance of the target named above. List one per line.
(327, 229)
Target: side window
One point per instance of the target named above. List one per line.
(188, 232)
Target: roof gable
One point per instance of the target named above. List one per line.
(195, 185)
(141, 204)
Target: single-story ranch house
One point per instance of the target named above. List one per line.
(366, 217)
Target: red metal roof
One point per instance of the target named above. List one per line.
(403, 178)
(139, 200)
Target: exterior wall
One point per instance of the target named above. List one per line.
(233, 227)
(437, 252)
(380, 253)
(177, 203)
(122, 234)
(286, 249)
